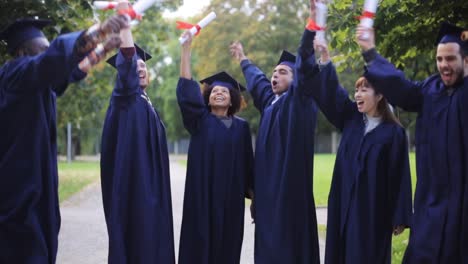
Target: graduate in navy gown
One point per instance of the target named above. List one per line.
(29, 84)
(219, 167)
(370, 196)
(285, 218)
(135, 166)
(439, 230)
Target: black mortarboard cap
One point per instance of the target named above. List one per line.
(287, 58)
(223, 79)
(449, 33)
(22, 30)
(141, 53)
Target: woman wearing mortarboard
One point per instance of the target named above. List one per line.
(135, 166)
(219, 168)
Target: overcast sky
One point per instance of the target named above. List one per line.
(188, 8)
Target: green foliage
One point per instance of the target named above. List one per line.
(66, 15)
(405, 34)
(405, 31)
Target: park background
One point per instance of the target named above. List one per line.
(405, 34)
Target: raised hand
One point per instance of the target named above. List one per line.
(321, 45)
(367, 42)
(114, 24)
(98, 33)
(188, 43)
(313, 9)
(398, 230)
(237, 51)
(98, 54)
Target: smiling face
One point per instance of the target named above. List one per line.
(450, 63)
(281, 79)
(220, 97)
(142, 73)
(366, 97)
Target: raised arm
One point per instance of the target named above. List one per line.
(57, 66)
(386, 78)
(258, 84)
(306, 70)
(128, 82)
(189, 96)
(323, 85)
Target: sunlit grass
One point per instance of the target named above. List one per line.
(399, 243)
(73, 177)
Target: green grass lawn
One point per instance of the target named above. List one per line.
(323, 170)
(73, 177)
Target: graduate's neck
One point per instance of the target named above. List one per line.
(373, 113)
(223, 112)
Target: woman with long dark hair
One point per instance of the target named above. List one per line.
(370, 195)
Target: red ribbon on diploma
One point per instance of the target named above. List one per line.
(185, 25)
(367, 14)
(130, 12)
(312, 26)
(110, 6)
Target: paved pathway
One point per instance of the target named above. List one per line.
(83, 235)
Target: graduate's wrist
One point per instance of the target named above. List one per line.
(242, 58)
(369, 55)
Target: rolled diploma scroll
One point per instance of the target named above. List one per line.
(104, 5)
(203, 23)
(136, 11)
(142, 5)
(321, 19)
(370, 7)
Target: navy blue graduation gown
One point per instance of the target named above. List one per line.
(219, 173)
(135, 175)
(286, 224)
(439, 233)
(371, 185)
(29, 208)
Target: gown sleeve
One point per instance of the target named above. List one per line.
(393, 85)
(258, 85)
(191, 104)
(323, 85)
(249, 160)
(400, 180)
(332, 98)
(54, 68)
(306, 69)
(128, 82)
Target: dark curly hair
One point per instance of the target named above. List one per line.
(236, 99)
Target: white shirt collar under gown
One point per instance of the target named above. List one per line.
(144, 95)
(371, 122)
(277, 97)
